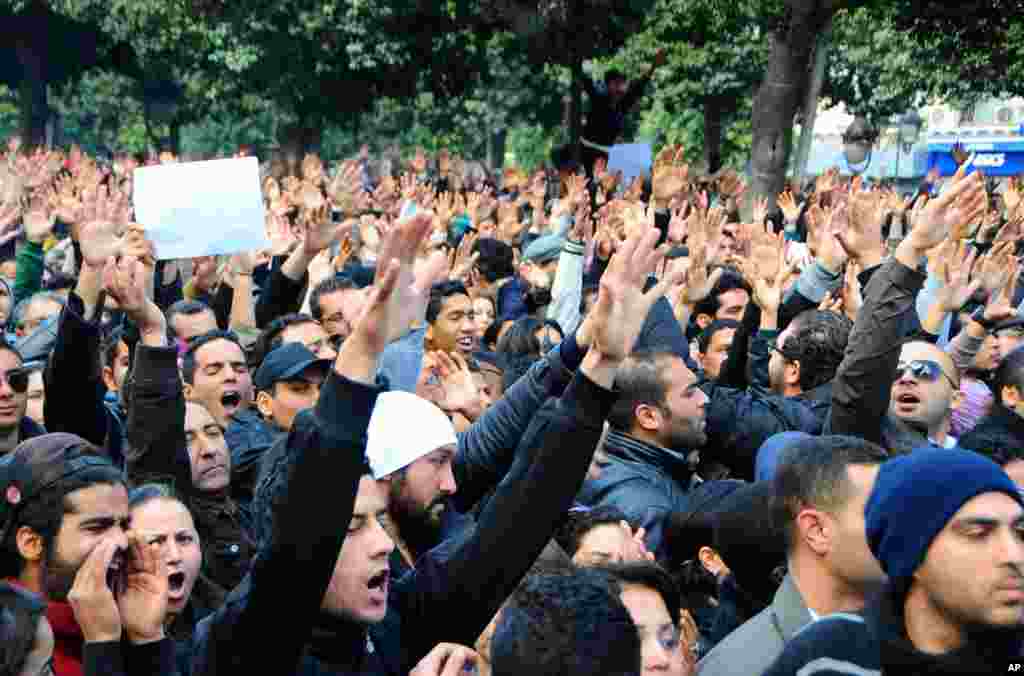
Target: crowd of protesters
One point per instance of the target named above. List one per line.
(525, 423)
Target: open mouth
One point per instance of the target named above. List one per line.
(175, 581)
(230, 399)
(908, 398)
(115, 574)
(379, 582)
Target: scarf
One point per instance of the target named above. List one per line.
(68, 639)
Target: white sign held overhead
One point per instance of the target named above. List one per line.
(632, 159)
(201, 208)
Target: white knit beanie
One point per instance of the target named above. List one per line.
(404, 428)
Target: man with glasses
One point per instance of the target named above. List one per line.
(890, 391)
(15, 426)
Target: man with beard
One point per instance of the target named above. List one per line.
(656, 427)
(945, 525)
(64, 534)
(411, 444)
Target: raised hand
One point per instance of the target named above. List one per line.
(91, 598)
(670, 175)
(448, 659)
(730, 184)
(460, 392)
(851, 293)
(862, 240)
(99, 241)
(954, 271)
(622, 304)
(1012, 195)
(143, 603)
(312, 169)
(790, 210)
(382, 315)
(761, 209)
(317, 231)
(961, 203)
(995, 268)
(38, 221)
(126, 281)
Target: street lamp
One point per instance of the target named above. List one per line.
(858, 140)
(908, 132)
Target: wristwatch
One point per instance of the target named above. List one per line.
(978, 316)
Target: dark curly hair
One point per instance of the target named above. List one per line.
(818, 344)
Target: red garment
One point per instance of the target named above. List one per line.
(68, 639)
(67, 636)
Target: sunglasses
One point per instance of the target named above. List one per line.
(925, 370)
(17, 379)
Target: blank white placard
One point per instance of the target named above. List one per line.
(201, 208)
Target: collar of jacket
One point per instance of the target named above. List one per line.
(625, 447)
(822, 394)
(789, 609)
(342, 644)
(979, 655)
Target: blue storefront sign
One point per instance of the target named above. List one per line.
(997, 156)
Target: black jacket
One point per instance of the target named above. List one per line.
(75, 393)
(1001, 423)
(648, 483)
(739, 421)
(158, 451)
(249, 438)
(606, 120)
(863, 384)
(280, 297)
(117, 658)
(449, 598)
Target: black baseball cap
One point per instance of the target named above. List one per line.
(287, 362)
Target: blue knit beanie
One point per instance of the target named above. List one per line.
(916, 495)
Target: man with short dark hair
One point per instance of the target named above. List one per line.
(728, 300)
(296, 328)
(64, 512)
(714, 343)
(287, 382)
(820, 489)
(945, 525)
(449, 328)
(656, 427)
(572, 624)
(191, 318)
(336, 302)
(608, 108)
(15, 425)
(495, 277)
(1007, 415)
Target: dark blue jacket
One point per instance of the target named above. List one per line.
(648, 483)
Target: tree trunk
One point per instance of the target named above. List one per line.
(810, 115)
(779, 97)
(175, 137)
(712, 136)
(496, 148)
(35, 107)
